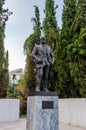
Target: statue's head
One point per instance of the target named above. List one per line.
(43, 40)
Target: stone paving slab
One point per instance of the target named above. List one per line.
(21, 125)
(69, 127)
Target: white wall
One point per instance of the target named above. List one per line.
(73, 111)
(9, 110)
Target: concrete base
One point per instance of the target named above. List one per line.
(9, 110)
(73, 111)
(42, 112)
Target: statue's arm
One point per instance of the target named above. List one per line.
(52, 56)
(34, 54)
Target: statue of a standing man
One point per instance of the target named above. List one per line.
(44, 57)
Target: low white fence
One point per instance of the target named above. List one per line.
(73, 111)
(9, 110)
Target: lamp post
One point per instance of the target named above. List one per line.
(13, 78)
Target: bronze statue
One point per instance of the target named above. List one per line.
(44, 58)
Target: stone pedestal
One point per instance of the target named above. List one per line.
(42, 111)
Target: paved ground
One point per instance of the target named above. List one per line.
(69, 127)
(21, 125)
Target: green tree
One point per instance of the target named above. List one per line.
(78, 63)
(80, 19)
(2, 64)
(71, 62)
(21, 93)
(64, 80)
(50, 27)
(28, 46)
(4, 77)
(4, 74)
(77, 49)
(1, 5)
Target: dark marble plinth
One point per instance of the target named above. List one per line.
(42, 93)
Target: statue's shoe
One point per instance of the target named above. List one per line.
(46, 90)
(37, 89)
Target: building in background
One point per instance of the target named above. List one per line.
(15, 75)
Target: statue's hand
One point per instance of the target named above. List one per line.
(51, 61)
(40, 60)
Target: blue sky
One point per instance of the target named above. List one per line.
(19, 27)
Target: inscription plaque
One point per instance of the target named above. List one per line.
(47, 105)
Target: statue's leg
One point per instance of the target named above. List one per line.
(45, 78)
(39, 78)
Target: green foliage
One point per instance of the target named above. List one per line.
(4, 14)
(71, 51)
(3, 66)
(64, 81)
(69, 10)
(30, 73)
(30, 43)
(21, 93)
(80, 19)
(1, 5)
(68, 15)
(9, 90)
(77, 49)
(50, 28)
(78, 63)
(4, 76)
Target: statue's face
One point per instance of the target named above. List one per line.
(43, 40)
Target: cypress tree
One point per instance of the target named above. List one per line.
(6, 70)
(64, 81)
(80, 19)
(78, 64)
(2, 90)
(4, 78)
(2, 63)
(77, 49)
(50, 28)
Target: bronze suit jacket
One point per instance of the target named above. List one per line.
(43, 55)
